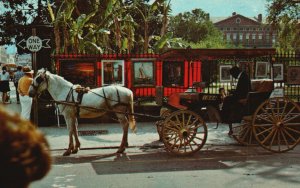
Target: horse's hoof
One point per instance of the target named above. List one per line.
(67, 153)
(75, 151)
(121, 150)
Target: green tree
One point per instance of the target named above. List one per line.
(15, 15)
(196, 30)
(284, 16)
(89, 26)
(152, 21)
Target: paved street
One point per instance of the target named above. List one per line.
(221, 163)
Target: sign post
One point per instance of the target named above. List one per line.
(31, 44)
(34, 44)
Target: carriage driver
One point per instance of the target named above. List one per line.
(231, 110)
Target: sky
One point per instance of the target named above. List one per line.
(216, 8)
(221, 8)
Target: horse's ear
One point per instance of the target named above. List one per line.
(43, 73)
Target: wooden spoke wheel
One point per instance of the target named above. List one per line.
(184, 132)
(243, 133)
(164, 113)
(276, 124)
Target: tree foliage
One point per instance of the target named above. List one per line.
(14, 15)
(196, 29)
(97, 26)
(284, 16)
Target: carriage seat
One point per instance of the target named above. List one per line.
(261, 90)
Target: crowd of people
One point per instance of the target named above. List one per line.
(22, 79)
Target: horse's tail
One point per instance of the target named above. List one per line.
(132, 123)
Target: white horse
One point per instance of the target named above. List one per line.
(110, 98)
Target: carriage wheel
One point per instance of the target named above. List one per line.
(243, 134)
(184, 132)
(276, 124)
(164, 112)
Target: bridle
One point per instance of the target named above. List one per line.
(39, 79)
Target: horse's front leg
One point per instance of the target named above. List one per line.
(72, 126)
(124, 142)
(71, 145)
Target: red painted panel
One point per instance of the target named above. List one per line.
(128, 73)
(186, 74)
(98, 73)
(158, 73)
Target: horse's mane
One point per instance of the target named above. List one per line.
(55, 76)
(59, 78)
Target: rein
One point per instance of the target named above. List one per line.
(101, 109)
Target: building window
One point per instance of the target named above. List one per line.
(221, 28)
(248, 28)
(260, 36)
(228, 28)
(253, 36)
(273, 39)
(228, 37)
(247, 36)
(241, 29)
(238, 20)
(241, 36)
(254, 29)
(267, 37)
(234, 36)
(234, 29)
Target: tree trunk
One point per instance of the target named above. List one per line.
(165, 23)
(66, 40)
(146, 37)
(57, 39)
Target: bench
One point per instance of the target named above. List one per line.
(261, 90)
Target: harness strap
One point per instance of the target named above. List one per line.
(106, 101)
(68, 97)
(118, 94)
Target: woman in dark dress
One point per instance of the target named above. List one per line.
(4, 84)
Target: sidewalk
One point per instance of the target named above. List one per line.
(111, 133)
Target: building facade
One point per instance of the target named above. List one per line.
(6, 58)
(247, 32)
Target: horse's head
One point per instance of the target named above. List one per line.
(39, 84)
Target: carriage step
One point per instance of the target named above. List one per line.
(92, 132)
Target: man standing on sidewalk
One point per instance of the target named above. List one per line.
(23, 89)
(17, 76)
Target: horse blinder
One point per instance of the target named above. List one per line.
(33, 88)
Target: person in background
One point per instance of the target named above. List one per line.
(230, 108)
(4, 85)
(17, 76)
(25, 153)
(23, 89)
